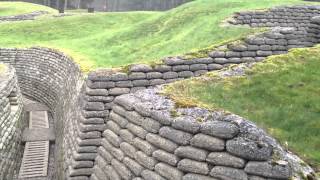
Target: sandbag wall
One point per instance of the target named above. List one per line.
(291, 16)
(303, 18)
(52, 78)
(314, 30)
(22, 17)
(147, 137)
(11, 117)
(104, 85)
(110, 83)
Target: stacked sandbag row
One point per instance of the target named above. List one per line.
(293, 16)
(22, 17)
(87, 132)
(148, 138)
(10, 123)
(256, 48)
(314, 30)
(111, 83)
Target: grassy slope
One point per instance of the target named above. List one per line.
(14, 8)
(115, 39)
(281, 95)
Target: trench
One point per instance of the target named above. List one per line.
(79, 111)
(41, 143)
(51, 80)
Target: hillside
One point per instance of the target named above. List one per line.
(280, 94)
(115, 39)
(15, 8)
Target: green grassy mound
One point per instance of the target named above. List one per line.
(281, 94)
(15, 8)
(115, 39)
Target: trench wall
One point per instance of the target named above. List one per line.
(50, 77)
(147, 137)
(141, 76)
(11, 122)
(286, 16)
(104, 86)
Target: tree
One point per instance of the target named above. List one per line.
(62, 6)
(78, 4)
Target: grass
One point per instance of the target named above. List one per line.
(280, 95)
(116, 39)
(15, 8)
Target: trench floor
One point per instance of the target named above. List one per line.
(31, 105)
